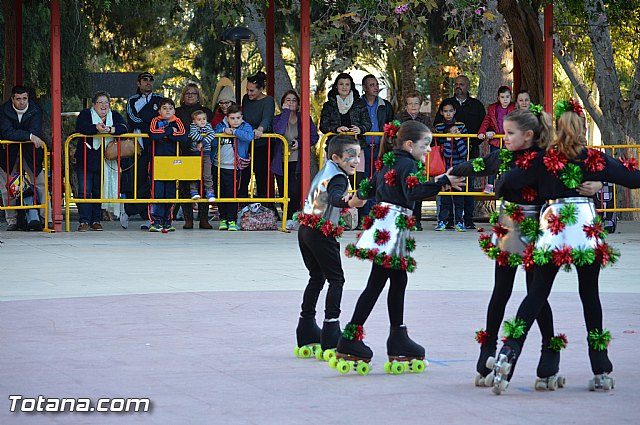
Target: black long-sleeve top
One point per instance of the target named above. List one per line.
(336, 189)
(492, 163)
(594, 165)
(400, 192)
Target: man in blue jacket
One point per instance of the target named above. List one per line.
(21, 121)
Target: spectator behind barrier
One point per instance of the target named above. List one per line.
(225, 99)
(202, 136)
(523, 99)
(493, 124)
(232, 165)
(258, 110)
(288, 125)
(21, 120)
(454, 152)
(165, 130)
(141, 108)
(99, 119)
(412, 104)
(191, 101)
(469, 111)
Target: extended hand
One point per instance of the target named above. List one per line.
(589, 188)
(457, 183)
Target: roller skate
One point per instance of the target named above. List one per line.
(308, 336)
(600, 364)
(351, 352)
(502, 366)
(484, 378)
(328, 340)
(549, 364)
(404, 354)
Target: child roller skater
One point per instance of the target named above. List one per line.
(571, 233)
(320, 226)
(398, 182)
(527, 132)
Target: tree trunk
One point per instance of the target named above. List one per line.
(408, 77)
(494, 72)
(9, 47)
(254, 18)
(528, 43)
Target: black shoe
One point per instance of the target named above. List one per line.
(330, 334)
(470, 226)
(419, 227)
(400, 345)
(34, 225)
(600, 362)
(353, 348)
(487, 350)
(307, 331)
(549, 363)
(449, 226)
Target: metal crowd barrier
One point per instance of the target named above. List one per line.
(178, 168)
(19, 168)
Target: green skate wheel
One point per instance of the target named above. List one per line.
(397, 368)
(417, 366)
(387, 367)
(327, 355)
(343, 366)
(319, 354)
(362, 368)
(304, 352)
(333, 362)
(295, 352)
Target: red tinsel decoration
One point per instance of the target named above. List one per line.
(526, 159)
(595, 162)
(602, 253)
(386, 263)
(390, 177)
(555, 161)
(359, 335)
(367, 222)
(484, 237)
(503, 259)
(555, 225)
(499, 230)
(482, 337)
(576, 106)
(378, 164)
(480, 229)
(517, 215)
(631, 164)
(561, 256)
(380, 211)
(382, 237)
(338, 231)
(404, 264)
(412, 181)
(390, 129)
(371, 255)
(529, 194)
(593, 230)
(411, 222)
(326, 228)
(527, 257)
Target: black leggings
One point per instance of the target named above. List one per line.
(395, 299)
(503, 286)
(587, 286)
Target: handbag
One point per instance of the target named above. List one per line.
(257, 217)
(435, 161)
(127, 148)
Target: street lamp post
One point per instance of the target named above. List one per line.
(236, 36)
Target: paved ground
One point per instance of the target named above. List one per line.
(202, 323)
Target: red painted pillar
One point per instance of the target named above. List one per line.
(271, 42)
(305, 92)
(19, 78)
(56, 117)
(548, 57)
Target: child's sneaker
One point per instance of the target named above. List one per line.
(211, 197)
(233, 226)
(440, 226)
(488, 189)
(155, 228)
(195, 195)
(223, 225)
(460, 227)
(169, 228)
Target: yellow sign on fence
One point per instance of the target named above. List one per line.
(177, 168)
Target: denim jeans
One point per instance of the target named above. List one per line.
(161, 214)
(89, 188)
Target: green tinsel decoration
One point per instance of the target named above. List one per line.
(506, 156)
(493, 218)
(364, 254)
(349, 332)
(542, 257)
(379, 259)
(412, 265)
(599, 340)
(493, 252)
(401, 222)
(571, 176)
(514, 328)
(341, 222)
(420, 165)
(478, 165)
(583, 257)
(558, 343)
(561, 107)
(530, 228)
(536, 109)
(364, 188)
(514, 260)
(410, 244)
(389, 159)
(484, 243)
(568, 214)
